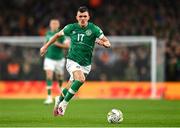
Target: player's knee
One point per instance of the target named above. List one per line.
(49, 77)
(49, 74)
(82, 79)
(79, 76)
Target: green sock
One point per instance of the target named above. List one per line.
(74, 88)
(60, 83)
(64, 91)
(49, 92)
(49, 85)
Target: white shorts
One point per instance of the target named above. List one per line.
(56, 66)
(72, 66)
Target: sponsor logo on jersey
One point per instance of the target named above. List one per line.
(88, 32)
(73, 32)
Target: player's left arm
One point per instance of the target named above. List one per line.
(104, 41)
(101, 39)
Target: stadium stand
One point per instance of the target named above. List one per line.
(158, 18)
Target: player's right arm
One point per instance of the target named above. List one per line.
(53, 39)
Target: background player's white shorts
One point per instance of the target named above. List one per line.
(72, 66)
(56, 66)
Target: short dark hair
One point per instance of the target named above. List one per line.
(83, 9)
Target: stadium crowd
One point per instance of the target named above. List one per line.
(160, 18)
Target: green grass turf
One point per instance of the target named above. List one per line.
(90, 113)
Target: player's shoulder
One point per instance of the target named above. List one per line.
(72, 25)
(92, 25)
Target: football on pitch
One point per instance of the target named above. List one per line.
(115, 116)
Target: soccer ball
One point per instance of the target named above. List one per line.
(115, 116)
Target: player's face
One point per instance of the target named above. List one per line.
(54, 25)
(82, 18)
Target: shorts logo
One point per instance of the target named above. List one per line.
(78, 67)
(88, 32)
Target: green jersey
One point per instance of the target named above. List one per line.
(54, 52)
(82, 42)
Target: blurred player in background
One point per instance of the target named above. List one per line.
(83, 36)
(54, 58)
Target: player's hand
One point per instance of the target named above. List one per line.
(43, 50)
(99, 41)
(107, 44)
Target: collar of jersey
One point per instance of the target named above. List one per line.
(83, 27)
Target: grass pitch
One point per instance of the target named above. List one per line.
(90, 113)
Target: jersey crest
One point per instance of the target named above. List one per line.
(88, 32)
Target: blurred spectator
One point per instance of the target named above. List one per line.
(131, 73)
(144, 74)
(27, 72)
(13, 70)
(159, 18)
(94, 74)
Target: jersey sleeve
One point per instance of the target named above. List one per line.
(99, 32)
(61, 39)
(67, 29)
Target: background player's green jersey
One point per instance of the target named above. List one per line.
(54, 52)
(82, 42)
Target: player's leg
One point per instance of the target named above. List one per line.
(49, 78)
(77, 73)
(79, 79)
(73, 87)
(49, 68)
(76, 84)
(64, 91)
(60, 79)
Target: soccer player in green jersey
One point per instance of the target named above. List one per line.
(54, 58)
(83, 35)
